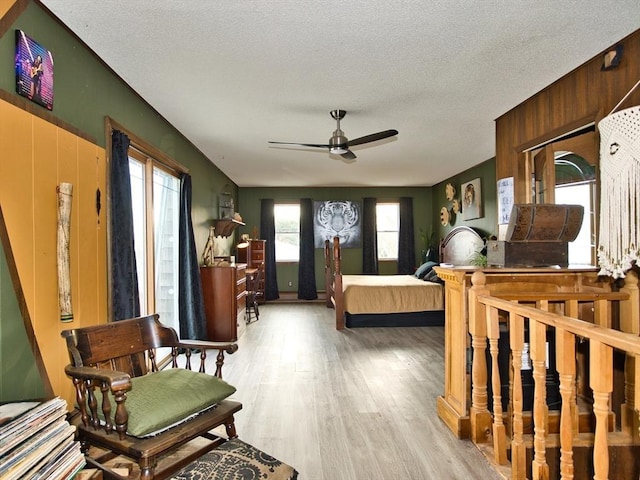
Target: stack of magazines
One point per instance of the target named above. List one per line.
(37, 443)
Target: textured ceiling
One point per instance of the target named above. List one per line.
(233, 74)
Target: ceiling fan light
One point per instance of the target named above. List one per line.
(338, 150)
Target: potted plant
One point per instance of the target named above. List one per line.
(429, 250)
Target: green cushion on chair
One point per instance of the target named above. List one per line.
(162, 399)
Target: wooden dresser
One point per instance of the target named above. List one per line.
(224, 289)
(253, 256)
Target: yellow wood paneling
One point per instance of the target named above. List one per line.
(101, 253)
(84, 203)
(35, 156)
(5, 5)
(16, 192)
(45, 312)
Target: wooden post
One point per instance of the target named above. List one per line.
(566, 365)
(337, 284)
(572, 309)
(499, 433)
(601, 380)
(328, 274)
(479, 415)
(629, 323)
(538, 341)
(518, 450)
(65, 195)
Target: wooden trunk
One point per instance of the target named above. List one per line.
(531, 222)
(537, 236)
(527, 254)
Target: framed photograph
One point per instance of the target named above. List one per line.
(34, 71)
(337, 219)
(471, 193)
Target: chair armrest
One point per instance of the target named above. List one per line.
(117, 381)
(85, 379)
(205, 345)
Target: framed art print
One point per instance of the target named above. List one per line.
(471, 193)
(34, 70)
(337, 219)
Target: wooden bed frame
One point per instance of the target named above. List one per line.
(457, 248)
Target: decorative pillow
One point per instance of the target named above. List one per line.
(432, 276)
(162, 399)
(236, 459)
(423, 269)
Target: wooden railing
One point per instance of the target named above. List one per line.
(559, 314)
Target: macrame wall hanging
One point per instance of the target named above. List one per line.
(620, 187)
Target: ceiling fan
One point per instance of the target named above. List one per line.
(339, 144)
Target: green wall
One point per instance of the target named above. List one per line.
(20, 378)
(488, 223)
(249, 208)
(85, 91)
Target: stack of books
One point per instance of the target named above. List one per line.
(37, 442)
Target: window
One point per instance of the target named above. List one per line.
(155, 206)
(387, 226)
(287, 220)
(581, 250)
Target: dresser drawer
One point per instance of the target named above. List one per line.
(241, 271)
(257, 256)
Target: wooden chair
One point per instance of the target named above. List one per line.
(254, 293)
(104, 361)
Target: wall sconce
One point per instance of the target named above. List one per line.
(612, 58)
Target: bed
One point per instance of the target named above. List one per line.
(393, 300)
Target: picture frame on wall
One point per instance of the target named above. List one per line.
(471, 193)
(340, 219)
(34, 70)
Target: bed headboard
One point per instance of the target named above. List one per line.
(460, 245)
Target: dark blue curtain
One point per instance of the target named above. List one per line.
(406, 241)
(190, 298)
(307, 263)
(125, 300)
(369, 237)
(268, 233)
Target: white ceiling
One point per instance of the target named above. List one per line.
(233, 74)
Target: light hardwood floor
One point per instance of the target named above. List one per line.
(353, 405)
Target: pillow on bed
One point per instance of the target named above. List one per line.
(423, 269)
(432, 276)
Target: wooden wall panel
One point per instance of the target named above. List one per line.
(85, 204)
(5, 5)
(44, 313)
(16, 192)
(36, 157)
(584, 95)
(101, 231)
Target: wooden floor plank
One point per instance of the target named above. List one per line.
(358, 404)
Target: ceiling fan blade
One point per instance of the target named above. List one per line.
(315, 145)
(373, 137)
(349, 155)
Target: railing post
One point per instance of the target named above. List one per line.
(572, 310)
(518, 450)
(479, 415)
(629, 323)
(499, 434)
(566, 366)
(328, 273)
(601, 380)
(538, 340)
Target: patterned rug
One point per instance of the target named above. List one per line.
(237, 460)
